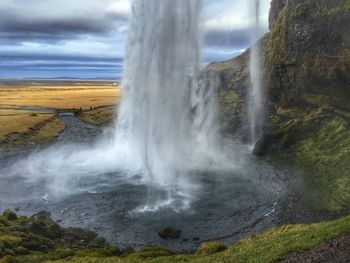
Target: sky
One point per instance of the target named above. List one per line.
(85, 39)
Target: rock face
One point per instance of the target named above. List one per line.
(275, 10)
(169, 232)
(306, 59)
(306, 73)
(308, 53)
(20, 235)
(232, 79)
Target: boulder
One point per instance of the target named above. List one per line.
(210, 248)
(9, 215)
(170, 232)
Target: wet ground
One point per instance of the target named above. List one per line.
(225, 206)
(335, 250)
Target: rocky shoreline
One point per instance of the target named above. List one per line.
(38, 238)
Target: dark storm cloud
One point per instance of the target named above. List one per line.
(16, 27)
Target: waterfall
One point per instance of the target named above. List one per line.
(255, 103)
(166, 136)
(166, 113)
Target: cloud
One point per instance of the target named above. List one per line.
(42, 21)
(10, 23)
(52, 34)
(228, 23)
(119, 9)
(221, 38)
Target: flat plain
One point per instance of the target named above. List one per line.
(20, 104)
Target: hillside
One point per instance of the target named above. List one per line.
(306, 73)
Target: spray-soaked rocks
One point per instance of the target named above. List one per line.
(210, 248)
(169, 233)
(9, 215)
(23, 236)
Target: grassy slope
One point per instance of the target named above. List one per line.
(38, 239)
(27, 125)
(267, 247)
(99, 116)
(318, 142)
(311, 127)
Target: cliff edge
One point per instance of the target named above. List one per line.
(306, 73)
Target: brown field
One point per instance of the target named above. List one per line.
(26, 122)
(97, 100)
(99, 116)
(59, 97)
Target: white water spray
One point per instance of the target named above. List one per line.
(166, 132)
(166, 114)
(255, 104)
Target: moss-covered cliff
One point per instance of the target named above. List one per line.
(232, 78)
(308, 54)
(306, 69)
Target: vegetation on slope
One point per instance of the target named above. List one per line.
(99, 116)
(39, 239)
(318, 141)
(308, 71)
(28, 127)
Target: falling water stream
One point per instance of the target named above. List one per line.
(164, 162)
(255, 103)
(164, 113)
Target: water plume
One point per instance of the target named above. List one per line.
(166, 113)
(166, 131)
(255, 103)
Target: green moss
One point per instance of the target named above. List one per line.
(9, 241)
(39, 239)
(9, 215)
(319, 143)
(8, 259)
(37, 243)
(276, 44)
(169, 232)
(59, 254)
(21, 250)
(326, 158)
(279, 242)
(151, 252)
(99, 252)
(100, 116)
(210, 248)
(299, 11)
(263, 248)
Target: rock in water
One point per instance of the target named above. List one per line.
(210, 248)
(169, 232)
(10, 215)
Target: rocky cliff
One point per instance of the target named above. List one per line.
(232, 78)
(306, 69)
(308, 53)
